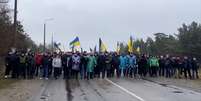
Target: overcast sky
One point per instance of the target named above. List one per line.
(112, 20)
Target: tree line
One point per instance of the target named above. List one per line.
(186, 42)
(23, 41)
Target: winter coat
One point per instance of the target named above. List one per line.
(153, 62)
(56, 62)
(123, 62)
(76, 62)
(131, 61)
(38, 59)
(101, 62)
(115, 61)
(108, 61)
(91, 63)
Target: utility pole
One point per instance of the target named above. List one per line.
(15, 24)
(52, 43)
(46, 20)
(44, 48)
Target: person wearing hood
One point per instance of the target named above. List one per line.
(91, 63)
(132, 70)
(75, 65)
(122, 65)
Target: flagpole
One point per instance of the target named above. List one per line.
(52, 43)
(99, 45)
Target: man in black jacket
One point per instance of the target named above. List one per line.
(8, 65)
(195, 68)
(45, 62)
(101, 64)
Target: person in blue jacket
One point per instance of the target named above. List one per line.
(132, 70)
(122, 65)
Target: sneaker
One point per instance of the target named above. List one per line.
(46, 78)
(5, 76)
(40, 78)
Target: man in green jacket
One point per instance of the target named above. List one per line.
(91, 63)
(154, 65)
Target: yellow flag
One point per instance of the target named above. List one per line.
(138, 49)
(130, 45)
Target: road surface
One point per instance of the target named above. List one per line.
(114, 89)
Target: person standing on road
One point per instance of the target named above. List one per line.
(91, 63)
(101, 65)
(75, 65)
(83, 65)
(161, 66)
(64, 65)
(132, 70)
(143, 66)
(50, 67)
(115, 63)
(168, 66)
(8, 65)
(45, 62)
(187, 67)
(195, 67)
(38, 62)
(68, 68)
(15, 64)
(57, 65)
(122, 65)
(154, 65)
(23, 65)
(30, 65)
(108, 60)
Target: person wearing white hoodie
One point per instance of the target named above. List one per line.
(57, 65)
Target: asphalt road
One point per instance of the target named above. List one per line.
(112, 90)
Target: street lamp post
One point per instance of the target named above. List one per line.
(45, 22)
(15, 24)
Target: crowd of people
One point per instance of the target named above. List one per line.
(29, 65)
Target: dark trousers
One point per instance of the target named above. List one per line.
(66, 72)
(74, 74)
(195, 74)
(36, 70)
(132, 72)
(22, 70)
(83, 72)
(57, 72)
(103, 71)
(15, 69)
(187, 71)
(89, 75)
(8, 69)
(161, 71)
(29, 71)
(45, 71)
(167, 72)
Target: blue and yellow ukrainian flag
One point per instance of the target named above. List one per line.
(75, 42)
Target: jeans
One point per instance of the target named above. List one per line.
(45, 71)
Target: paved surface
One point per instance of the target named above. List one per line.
(112, 90)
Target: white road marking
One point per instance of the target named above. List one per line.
(127, 91)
